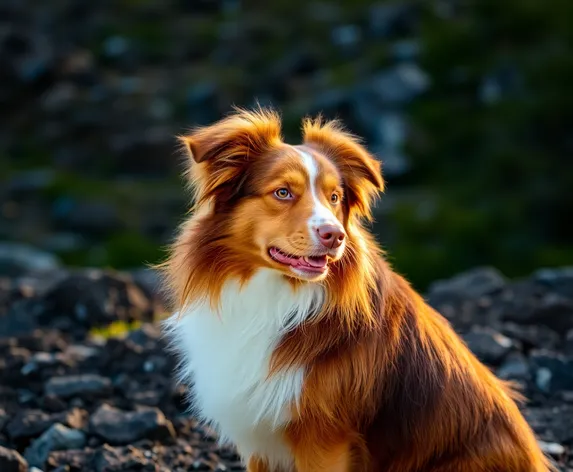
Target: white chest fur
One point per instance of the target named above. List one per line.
(226, 355)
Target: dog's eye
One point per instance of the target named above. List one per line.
(334, 198)
(283, 193)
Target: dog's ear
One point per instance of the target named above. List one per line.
(361, 172)
(220, 153)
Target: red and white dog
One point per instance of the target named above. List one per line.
(304, 348)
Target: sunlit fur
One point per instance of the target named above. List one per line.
(360, 374)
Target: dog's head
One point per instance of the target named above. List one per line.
(264, 203)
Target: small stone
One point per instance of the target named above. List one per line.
(488, 345)
(558, 279)
(515, 367)
(20, 259)
(110, 459)
(3, 419)
(553, 449)
(543, 379)
(56, 438)
(28, 424)
(474, 283)
(532, 336)
(78, 385)
(568, 347)
(554, 372)
(124, 427)
(12, 461)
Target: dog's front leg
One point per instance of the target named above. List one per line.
(257, 464)
(321, 455)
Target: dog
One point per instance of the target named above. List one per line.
(303, 347)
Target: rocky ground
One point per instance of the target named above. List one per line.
(78, 395)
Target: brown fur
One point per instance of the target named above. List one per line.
(390, 387)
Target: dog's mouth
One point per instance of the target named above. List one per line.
(312, 264)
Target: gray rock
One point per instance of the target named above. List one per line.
(123, 427)
(568, 345)
(78, 385)
(515, 367)
(3, 418)
(12, 461)
(56, 438)
(559, 279)
(529, 303)
(474, 283)
(488, 345)
(27, 424)
(553, 372)
(31, 423)
(30, 182)
(553, 449)
(20, 259)
(532, 336)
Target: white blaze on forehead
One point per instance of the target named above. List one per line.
(321, 214)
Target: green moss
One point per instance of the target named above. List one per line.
(117, 329)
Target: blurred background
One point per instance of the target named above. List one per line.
(468, 103)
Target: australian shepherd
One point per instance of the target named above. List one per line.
(304, 349)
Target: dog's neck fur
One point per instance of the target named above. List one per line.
(226, 354)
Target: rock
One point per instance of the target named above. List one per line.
(558, 280)
(150, 281)
(568, 347)
(555, 450)
(532, 336)
(514, 367)
(123, 427)
(111, 459)
(474, 283)
(12, 461)
(78, 385)
(488, 345)
(3, 419)
(553, 372)
(87, 299)
(531, 303)
(28, 424)
(20, 259)
(29, 183)
(145, 336)
(75, 460)
(552, 423)
(56, 438)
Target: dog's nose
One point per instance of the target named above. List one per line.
(330, 235)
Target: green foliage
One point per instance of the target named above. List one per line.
(503, 170)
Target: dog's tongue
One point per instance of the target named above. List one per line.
(317, 262)
(284, 258)
(313, 261)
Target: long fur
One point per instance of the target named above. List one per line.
(386, 384)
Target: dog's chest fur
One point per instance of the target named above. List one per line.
(226, 356)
